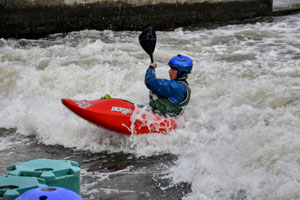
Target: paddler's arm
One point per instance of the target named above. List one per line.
(163, 87)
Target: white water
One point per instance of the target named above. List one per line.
(286, 3)
(242, 124)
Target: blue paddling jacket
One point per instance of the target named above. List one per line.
(167, 97)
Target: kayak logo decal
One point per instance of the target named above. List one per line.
(122, 110)
(83, 104)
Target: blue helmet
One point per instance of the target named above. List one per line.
(183, 64)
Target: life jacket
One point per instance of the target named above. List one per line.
(167, 107)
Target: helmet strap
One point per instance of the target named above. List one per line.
(182, 78)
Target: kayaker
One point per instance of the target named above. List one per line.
(169, 97)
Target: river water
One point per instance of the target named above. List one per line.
(242, 127)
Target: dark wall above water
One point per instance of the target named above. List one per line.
(37, 18)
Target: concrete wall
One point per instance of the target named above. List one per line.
(37, 18)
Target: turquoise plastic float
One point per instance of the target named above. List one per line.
(13, 186)
(60, 173)
(49, 193)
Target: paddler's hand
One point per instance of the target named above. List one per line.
(154, 65)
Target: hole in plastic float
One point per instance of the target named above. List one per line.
(48, 189)
(43, 198)
(44, 170)
(9, 187)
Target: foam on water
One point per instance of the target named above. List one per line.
(241, 138)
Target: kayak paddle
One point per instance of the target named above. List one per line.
(148, 41)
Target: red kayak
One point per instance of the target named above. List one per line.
(120, 116)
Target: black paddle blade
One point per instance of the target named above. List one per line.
(148, 41)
